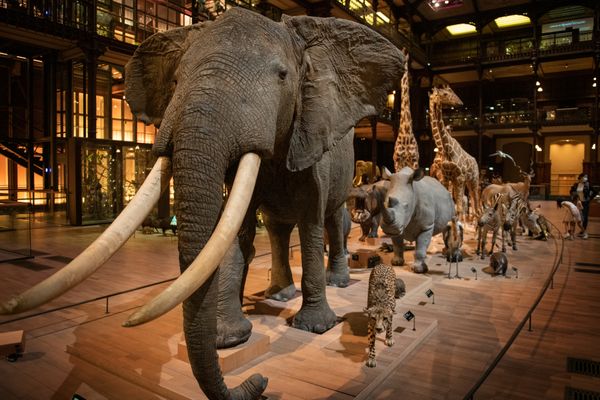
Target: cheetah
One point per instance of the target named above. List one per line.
(384, 289)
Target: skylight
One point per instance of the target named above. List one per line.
(512, 20)
(461, 29)
(437, 5)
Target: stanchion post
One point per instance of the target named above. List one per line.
(106, 311)
(530, 323)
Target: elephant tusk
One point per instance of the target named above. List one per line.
(96, 254)
(213, 252)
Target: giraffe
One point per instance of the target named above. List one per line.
(406, 151)
(458, 167)
(437, 98)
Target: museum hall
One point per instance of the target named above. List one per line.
(404, 204)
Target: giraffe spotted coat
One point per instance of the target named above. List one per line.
(406, 151)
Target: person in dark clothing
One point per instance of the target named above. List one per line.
(583, 190)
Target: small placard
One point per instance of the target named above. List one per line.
(408, 315)
(429, 293)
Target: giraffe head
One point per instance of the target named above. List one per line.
(446, 96)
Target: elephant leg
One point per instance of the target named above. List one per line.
(315, 315)
(338, 273)
(232, 326)
(421, 245)
(282, 286)
(398, 246)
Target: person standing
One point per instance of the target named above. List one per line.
(583, 190)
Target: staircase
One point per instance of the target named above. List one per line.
(18, 153)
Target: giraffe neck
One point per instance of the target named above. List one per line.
(405, 115)
(437, 123)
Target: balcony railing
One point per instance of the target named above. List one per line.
(497, 50)
(464, 120)
(130, 21)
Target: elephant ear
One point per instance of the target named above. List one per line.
(149, 82)
(348, 71)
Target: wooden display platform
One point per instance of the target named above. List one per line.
(83, 350)
(235, 357)
(12, 343)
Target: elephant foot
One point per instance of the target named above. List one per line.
(232, 333)
(389, 342)
(277, 293)
(371, 363)
(397, 261)
(317, 319)
(338, 277)
(251, 388)
(419, 267)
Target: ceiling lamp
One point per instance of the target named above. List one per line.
(512, 20)
(437, 5)
(461, 29)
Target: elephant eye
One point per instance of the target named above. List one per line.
(283, 74)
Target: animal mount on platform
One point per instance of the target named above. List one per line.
(453, 239)
(381, 306)
(499, 263)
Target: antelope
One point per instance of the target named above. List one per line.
(490, 219)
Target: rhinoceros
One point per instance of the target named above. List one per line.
(416, 208)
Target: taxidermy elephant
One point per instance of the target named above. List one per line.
(346, 227)
(416, 208)
(365, 209)
(363, 174)
(273, 104)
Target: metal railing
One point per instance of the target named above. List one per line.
(106, 297)
(558, 255)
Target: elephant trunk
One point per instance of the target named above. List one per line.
(199, 198)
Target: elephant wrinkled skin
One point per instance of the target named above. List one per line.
(290, 92)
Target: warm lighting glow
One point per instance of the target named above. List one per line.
(390, 100)
(594, 84)
(461, 29)
(538, 148)
(436, 150)
(594, 146)
(540, 89)
(512, 20)
(383, 17)
(537, 83)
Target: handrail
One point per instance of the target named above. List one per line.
(549, 281)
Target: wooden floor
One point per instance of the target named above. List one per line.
(84, 350)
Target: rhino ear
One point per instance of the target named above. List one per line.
(417, 175)
(348, 70)
(386, 174)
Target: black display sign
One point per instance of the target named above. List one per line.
(408, 315)
(429, 293)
